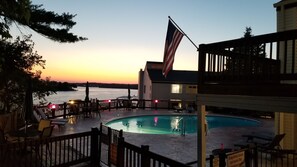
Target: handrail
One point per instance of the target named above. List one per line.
(141, 155)
(249, 60)
(67, 109)
(259, 39)
(74, 149)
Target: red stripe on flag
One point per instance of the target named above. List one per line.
(173, 38)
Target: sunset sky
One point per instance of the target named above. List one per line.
(124, 34)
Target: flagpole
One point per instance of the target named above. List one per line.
(183, 33)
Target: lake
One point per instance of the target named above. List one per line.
(94, 92)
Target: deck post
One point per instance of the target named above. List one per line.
(145, 160)
(109, 133)
(255, 156)
(143, 103)
(109, 105)
(64, 110)
(168, 105)
(201, 133)
(120, 152)
(95, 159)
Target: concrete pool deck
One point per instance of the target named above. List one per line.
(177, 147)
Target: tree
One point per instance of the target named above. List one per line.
(16, 64)
(23, 13)
(252, 50)
(17, 58)
(246, 52)
(248, 32)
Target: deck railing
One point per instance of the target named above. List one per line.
(79, 148)
(64, 150)
(80, 107)
(130, 155)
(87, 148)
(260, 60)
(255, 157)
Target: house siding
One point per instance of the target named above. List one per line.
(162, 91)
(286, 20)
(156, 87)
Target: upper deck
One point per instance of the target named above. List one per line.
(263, 65)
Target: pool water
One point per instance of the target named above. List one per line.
(176, 124)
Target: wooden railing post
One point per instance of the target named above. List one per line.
(109, 105)
(211, 157)
(64, 109)
(255, 155)
(201, 63)
(100, 141)
(53, 113)
(247, 157)
(95, 159)
(143, 104)
(145, 160)
(222, 160)
(109, 146)
(156, 105)
(117, 103)
(120, 152)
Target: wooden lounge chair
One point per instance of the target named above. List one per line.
(274, 148)
(262, 141)
(274, 143)
(39, 115)
(252, 137)
(43, 116)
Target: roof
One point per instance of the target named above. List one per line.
(174, 76)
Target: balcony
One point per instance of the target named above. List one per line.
(262, 65)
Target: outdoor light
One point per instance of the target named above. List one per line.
(53, 106)
(156, 101)
(53, 109)
(71, 102)
(109, 101)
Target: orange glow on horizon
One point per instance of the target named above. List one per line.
(83, 76)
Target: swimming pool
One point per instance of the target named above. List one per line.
(175, 124)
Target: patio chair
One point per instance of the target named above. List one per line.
(262, 142)
(274, 144)
(43, 116)
(43, 123)
(274, 148)
(39, 115)
(45, 134)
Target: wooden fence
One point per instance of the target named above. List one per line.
(80, 107)
(79, 148)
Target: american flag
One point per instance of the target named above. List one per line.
(173, 38)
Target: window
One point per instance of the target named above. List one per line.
(176, 88)
(191, 89)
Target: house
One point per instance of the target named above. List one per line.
(180, 87)
(258, 74)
